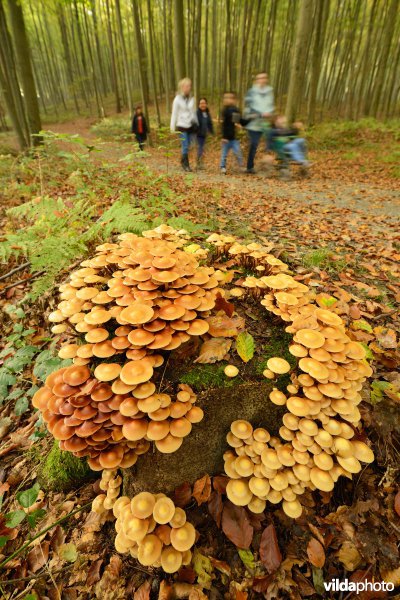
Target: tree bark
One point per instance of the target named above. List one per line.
(179, 40)
(322, 16)
(298, 63)
(23, 54)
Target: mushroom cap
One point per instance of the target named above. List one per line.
(135, 529)
(238, 492)
(68, 351)
(292, 508)
(328, 317)
(142, 505)
(195, 414)
(316, 369)
(149, 550)
(76, 375)
(163, 510)
(362, 452)
(259, 486)
(244, 466)
(323, 461)
(94, 336)
(302, 472)
(231, 371)
(298, 406)
(277, 397)
(280, 481)
(278, 365)
(257, 505)
(169, 444)
(308, 427)
(134, 429)
(261, 435)
(310, 338)
(350, 463)
(137, 313)
(298, 350)
(157, 430)
(107, 371)
(343, 447)
(179, 518)
(270, 459)
(171, 560)
(136, 371)
(183, 538)
(121, 506)
(355, 350)
(321, 479)
(241, 429)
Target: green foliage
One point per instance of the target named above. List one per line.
(113, 128)
(245, 346)
(26, 499)
(62, 471)
(347, 134)
(323, 258)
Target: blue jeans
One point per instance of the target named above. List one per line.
(187, 139)
(254, 139)
(201, 141)
(233, 145)
(297, 150)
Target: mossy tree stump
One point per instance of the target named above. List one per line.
(202, 451)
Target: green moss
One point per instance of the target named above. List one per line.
(62, 471)
(203, 377)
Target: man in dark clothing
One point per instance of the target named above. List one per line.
(139, 127)
(231, 119)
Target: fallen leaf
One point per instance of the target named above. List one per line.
(236, 525)
(203, 568)
(143, 593)
(316, 553)
(397, 503)
(94, 572)
(38, 556)
(270, 553)
(222, 304)
(213, 350)
(349, 555)
(215, 507)
(183, 495)
(202, 490)
(245, 346)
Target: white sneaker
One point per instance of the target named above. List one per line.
(223, 171)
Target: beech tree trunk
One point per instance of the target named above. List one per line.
(179, 40)
(23, 55)
(299, 57)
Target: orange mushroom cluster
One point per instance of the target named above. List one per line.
(153, 530)
(316, 444)
(110, 425)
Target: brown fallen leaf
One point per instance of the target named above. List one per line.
(215, 507)
(202, 490)
(213, 350)
(270, 553)
(236, 525)
(183, 495)
(38, 556)
(143, 593)
(349, 556)
(397, 503)
(316, 553)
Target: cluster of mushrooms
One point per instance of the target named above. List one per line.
(110, 483)
(316, 444)
(120, 311)
(149, 527)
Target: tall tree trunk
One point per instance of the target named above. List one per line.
(23, 54)
(179, 40)
(114, 76)
(322, 15)
(9, 84)
(124, 55)
(197, 51)
(298, 63)
(142, 60)
(152, 61)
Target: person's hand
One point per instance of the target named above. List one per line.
(266, 115)
(224, 141)
(298, 125)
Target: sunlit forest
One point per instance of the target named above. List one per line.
(199, 296)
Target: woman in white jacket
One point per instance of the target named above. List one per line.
(184, 118)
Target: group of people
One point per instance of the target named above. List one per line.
(194, 124)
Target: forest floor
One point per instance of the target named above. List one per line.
(339, 230)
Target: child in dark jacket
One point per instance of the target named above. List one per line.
(289, 141)
(205, 127)
(139, 127)
(231, 119)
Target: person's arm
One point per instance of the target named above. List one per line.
(174, 114)
(251, 112)
(133, 127)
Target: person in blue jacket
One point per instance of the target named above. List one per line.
(204, 128)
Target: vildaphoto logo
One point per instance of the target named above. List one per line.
(336, 585)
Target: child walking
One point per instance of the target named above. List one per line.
(230, 121)
(288, 142)
(205, 127)
(139, 127)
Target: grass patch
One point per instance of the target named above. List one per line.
(203, 377)
(323, 258)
